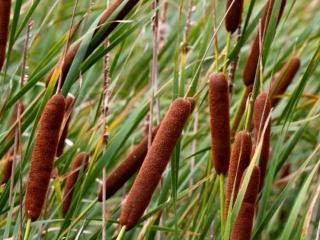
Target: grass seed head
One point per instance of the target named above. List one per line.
(261, 112)
(127, 168)
(43, 155)
(155, 162)
(219, 121)
(78, 163)
(283, 80)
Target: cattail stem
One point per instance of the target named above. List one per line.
(28, 228)
(121, 233)
(225, 64)
(222, 220)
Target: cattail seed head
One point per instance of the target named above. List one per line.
(243, 224)
(69, 105)
(283, 80)
(78, 163)
(261, 113)
(233, 16)
(155, 162)
(249, 73)
(43, 154)
(127, 168)
(240, 159)
(219, 121)
(5, 6)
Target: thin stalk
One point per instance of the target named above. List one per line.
(225, 63)
(121, 233)
(221, 184)
(27, 232)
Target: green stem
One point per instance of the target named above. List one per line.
(121, 233)
(221, 181)
(28, 228)
(249, 115)
(227, 53)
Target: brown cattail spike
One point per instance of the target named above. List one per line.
(127, 168)
(67, 116)
(78, 164)
(5, 6)
(155, 162)
(249, 73)
(240, 159)
(43, 154)
(283, 80)
(219, 121)
(233, 17)
(261, 113)
(243, 224)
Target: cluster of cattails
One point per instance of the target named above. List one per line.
(78, 164)
(43, 155)
(67, 116)
(155, 162)
(127, 168)
(8, 159)
(5, 6)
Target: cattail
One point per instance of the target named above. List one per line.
(43, 154)
(219, 121)
(243, 224)
(155, 162)
(249, 73)
(233, 17)
(283, 80)
(105, 17)
(261, 112)
(78, 163)
(7, 167)
(240, 159)
(5, 6)
(241, 110)
(127, 168)
(69, 105)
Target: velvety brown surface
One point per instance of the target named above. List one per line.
(283, 80)
(261, 111)
(5, 6)
(64, 134)
(242, 108)
(219, 121)
(127, 168)
(78, 163)
(252, 62)
(155, 162)
(243, 225)
(240, 159)
(234, 14)
(43, 155)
